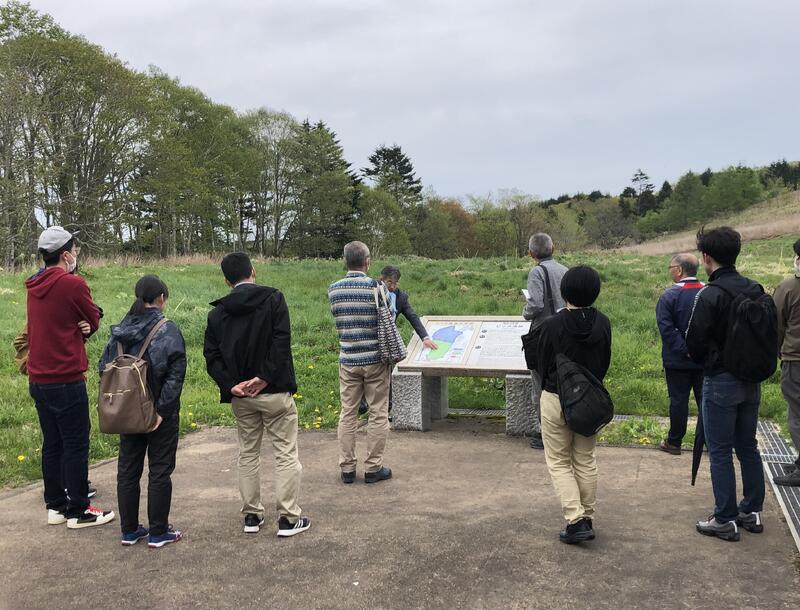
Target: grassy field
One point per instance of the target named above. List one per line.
(632, 284)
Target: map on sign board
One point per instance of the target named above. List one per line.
(469, 345)
(452, 341)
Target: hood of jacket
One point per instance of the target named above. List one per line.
(40, 284)
(134, 328)
(583, 325)
(244, 299)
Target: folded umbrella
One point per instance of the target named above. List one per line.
(699, 443)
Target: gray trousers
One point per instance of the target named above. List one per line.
(536, 398)
(790, 386)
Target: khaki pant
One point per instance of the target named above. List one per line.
(570, 460)
(371, 382)
(277, 414)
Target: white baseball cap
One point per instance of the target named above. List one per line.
(53, 238)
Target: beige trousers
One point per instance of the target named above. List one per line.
(570, 460)
(371, 382)
(277, 414)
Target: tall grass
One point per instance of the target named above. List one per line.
(631, 286)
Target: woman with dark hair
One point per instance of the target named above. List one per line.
(582, 334)
(166, 357)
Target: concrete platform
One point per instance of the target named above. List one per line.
(469, 521)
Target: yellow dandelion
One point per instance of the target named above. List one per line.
(317, 426)
(311, 366)
(295, 395)
(191, 414)
(306, 426)
(298, 396)
(193, 425)
(20, 458)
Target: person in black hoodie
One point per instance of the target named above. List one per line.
(583, 334)
(166, 358)
(730, 405)
(249, 355)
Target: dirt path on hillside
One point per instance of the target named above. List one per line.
(750, 232)
(771, 218)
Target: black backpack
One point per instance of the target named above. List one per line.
(585, 402)
(751, 338)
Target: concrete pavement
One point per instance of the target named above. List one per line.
(470, 520)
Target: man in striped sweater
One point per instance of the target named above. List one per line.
(361, 372)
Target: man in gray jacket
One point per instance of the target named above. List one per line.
(543, 300)
(787, 301)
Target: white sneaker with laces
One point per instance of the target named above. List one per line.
(55, 517)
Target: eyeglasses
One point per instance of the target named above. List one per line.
(674, 266)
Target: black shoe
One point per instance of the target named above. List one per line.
(536, 441)
(726, 531)
(363, 408)
(292, 529)
(791, 479)
(380, 475)
(580, 531)
(348, 477)
(252, 523)
(751, 522)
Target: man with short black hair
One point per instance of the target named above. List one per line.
(361, 371)
(672, 314)
(787, 302)
(730, 404)
(544, 300)
(248, 354)
(61, 314)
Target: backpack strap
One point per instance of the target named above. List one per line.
(548, 292)
(150, 336)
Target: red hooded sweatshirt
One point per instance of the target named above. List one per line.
(57, 301)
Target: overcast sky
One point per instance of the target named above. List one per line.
(544, 96)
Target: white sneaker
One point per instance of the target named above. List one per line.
(91, 516)
(55, 517)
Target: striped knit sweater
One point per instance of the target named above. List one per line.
(353, 307)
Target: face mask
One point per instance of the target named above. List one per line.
(73, 266)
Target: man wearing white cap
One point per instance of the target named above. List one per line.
(60, 314)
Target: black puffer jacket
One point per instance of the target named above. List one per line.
(166, 356)
(248, 335)
(708, 324)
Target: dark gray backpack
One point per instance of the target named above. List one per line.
(585, 402)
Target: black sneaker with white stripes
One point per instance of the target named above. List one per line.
(751, 522)
(290, 529)
(252, 523)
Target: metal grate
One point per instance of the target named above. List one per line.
(776, 453)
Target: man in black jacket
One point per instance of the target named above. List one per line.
(248, 354)
(729, 404)
(400, 305)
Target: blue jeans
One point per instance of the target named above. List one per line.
(63, 410)
(730, 418)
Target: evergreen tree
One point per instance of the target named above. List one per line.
(664, 193)
(391, 171)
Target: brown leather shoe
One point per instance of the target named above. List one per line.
(668, 448)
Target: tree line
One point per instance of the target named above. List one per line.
(142, 164)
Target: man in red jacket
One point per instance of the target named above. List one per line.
(60, 314)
